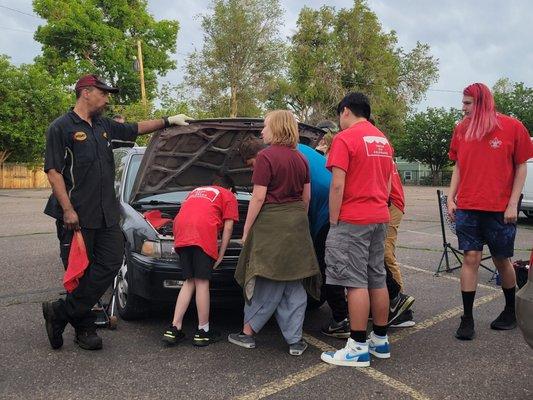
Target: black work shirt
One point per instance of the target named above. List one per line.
(83, 154)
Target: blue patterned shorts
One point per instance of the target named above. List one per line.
(476, 228)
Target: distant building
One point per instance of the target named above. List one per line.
(412, 172)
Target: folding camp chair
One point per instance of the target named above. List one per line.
(444, 264)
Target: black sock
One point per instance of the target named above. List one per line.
(358, 336)
(509, 297)
(380, 330)
(468, 302)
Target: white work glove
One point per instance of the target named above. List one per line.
(180, 119)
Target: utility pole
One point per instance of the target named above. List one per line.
(141, 72)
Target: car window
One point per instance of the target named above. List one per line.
(133, 168)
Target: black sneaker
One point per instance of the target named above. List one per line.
(54, 325)
(399, 305)
(466, 329)
(405, 320)
(203, 338)
(505, 321)
(87, 339)
(173, 335)
(340, 330)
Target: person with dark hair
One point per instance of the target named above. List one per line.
(361, 164)
(490, 151)
(249, 149)
(80, 167)
(206, 211)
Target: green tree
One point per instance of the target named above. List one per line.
(99, 36)
(29, 100)
(334, 52)
(241, 57)
(515, 99)
(427, 138)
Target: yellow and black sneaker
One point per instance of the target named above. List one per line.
(203, 338)
(173, 335)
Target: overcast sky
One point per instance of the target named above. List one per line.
(475, 41)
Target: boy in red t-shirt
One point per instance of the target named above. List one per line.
(205, 212)
(490, 151)
(361, 163)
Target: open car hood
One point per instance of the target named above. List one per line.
(185, 157)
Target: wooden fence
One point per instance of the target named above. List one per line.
(22, 176)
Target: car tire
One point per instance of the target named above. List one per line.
(529, 213)
(129, 306)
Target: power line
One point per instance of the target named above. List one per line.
(15, 29)
(20, 12)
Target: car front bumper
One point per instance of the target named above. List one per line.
(158, 280)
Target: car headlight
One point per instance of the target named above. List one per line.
(167, 250)
(151, 249)
(159, 249)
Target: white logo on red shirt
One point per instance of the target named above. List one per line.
(495, 143)
(377, 146)
(208, 193)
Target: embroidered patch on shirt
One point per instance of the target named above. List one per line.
(495, 143)
(80, 136)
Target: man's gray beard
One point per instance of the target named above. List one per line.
(97, 113)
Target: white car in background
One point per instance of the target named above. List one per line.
(527, 191)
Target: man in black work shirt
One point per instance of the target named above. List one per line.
(80, 167)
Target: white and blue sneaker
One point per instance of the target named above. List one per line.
(353, 355)
(378, 346)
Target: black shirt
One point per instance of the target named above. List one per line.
(83, 154)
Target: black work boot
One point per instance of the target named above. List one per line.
(54, 325)
(87, 339)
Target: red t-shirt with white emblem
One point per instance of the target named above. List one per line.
(396, 191)
(487, 167)
(201, 218)
(365, 154)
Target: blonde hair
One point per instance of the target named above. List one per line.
(284, 128)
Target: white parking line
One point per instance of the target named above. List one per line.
(278, 385)
(271, 388)
(445, 275)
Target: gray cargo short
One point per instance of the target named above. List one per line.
(354, 255)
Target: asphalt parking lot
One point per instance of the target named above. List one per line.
(427, 361)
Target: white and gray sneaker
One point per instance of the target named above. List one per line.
(298, 348)
(241, 339)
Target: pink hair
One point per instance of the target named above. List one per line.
(482, 119)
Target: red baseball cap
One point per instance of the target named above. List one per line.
(93, 80)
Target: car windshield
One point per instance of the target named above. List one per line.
(171, 197)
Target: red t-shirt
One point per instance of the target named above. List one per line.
(396, 192)
(284, 171)
(487, 167)
(365, 154)
(201, 218)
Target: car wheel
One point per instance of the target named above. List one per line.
(129, 305)
(529, 213)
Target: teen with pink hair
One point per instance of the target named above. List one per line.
(490, 151)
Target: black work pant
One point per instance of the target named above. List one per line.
(105, 250)
(334, 294)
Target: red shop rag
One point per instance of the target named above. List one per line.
(155, 218)
(77, 262)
